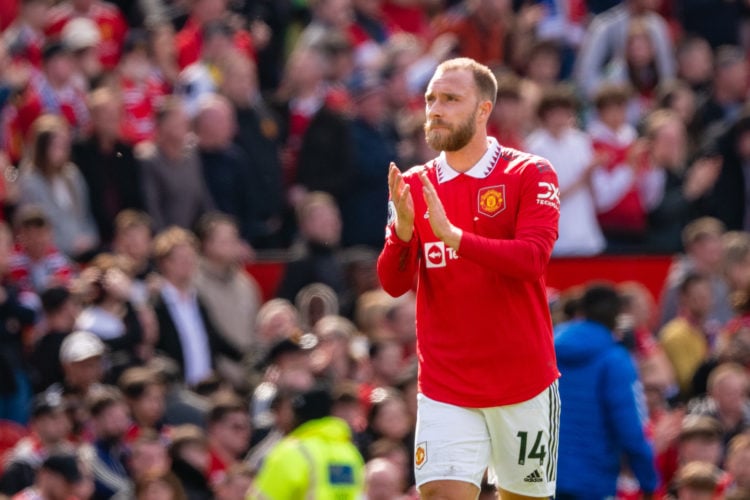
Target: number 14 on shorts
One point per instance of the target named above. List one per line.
(537, 450)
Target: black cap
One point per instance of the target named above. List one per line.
(53, 298)
(312, 404)
(288, 346)
(54, 48)
(47, 403)
(64, 464)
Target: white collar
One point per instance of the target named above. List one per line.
(480, 170)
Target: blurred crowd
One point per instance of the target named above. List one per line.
(152, 149)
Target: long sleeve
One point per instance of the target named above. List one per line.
(397, 263)
(624, 401)
(525, 256)
(87, 223)
(283, 475)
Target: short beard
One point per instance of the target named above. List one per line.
(454, 139)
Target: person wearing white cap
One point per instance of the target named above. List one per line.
(81, 36)
(81, 357)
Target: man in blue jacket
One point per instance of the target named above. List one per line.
(602, 404)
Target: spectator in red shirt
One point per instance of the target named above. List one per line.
(25, 36)
(481, 27)
(142, 88)
(505, 121)
(56, 480)
(145, 394)
(36, 263)
(190, 39)
(228, 430)
(485, 224)
(53, 90)
(112, 25)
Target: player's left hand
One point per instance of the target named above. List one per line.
(439, 222)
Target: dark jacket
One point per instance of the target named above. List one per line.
(258, 134)
(113, 179)
(602, 411)
(169, 339)
(364, 208)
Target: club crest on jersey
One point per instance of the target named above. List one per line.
(420, 455)
(491, 200)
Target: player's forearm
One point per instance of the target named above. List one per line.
(397, 265)
(521, 258)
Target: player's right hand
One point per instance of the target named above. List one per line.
(402, 200)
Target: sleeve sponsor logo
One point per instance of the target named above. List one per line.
(491, 200)
(549, 195)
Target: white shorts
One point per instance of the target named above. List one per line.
(518, 442)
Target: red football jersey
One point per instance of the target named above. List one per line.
(484, 332)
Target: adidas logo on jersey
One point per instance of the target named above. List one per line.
(534, 477)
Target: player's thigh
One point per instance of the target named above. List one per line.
(451, 444)
(524, 445)
(448, 490)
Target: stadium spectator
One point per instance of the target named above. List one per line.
(224, 164)
(51, 90)
(108, 164)
(570, 150)
(82, 37)
(258, 133)
(112, 25)
(108, 312)
(325, 16)
(316, 256)
(729, 199)
(25, 36)
(383, 480)
(729, 89)
(318, 151)
(145, 394)
(173, 186)
(697, 480)
(160, 487)
(15, 386)
(695, 64)
(57, 479)
(704, 254)
(143, 88)
(606, 39)
(60, 309)
(232, 297)
(190, 457)
(132, 240)
(186, 332)
(375, 142)
(588, 355)
(738, 462)
(190, 39)
(50, 427)
(203, 76)
(51, 181)
(616, 183)
(685, 338)
(505, 121)
(110, 420)
(228, 431)
(727, 400)
(682, 189)
(182, 406)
